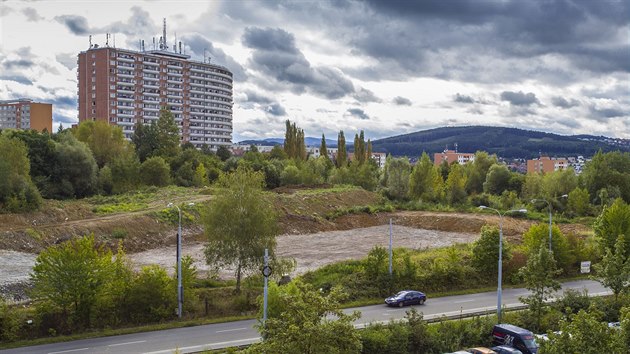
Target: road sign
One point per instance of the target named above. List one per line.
(266, 271)
(585, 267)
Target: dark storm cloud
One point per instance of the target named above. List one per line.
(519, 98)
(358, 113)
(562, 102)
(17, 78)
(401, 101)
(69, 60)
(76, 24)
(276, 109)
(139, 24)
(365, 96)
(17, 64)
(605, 113)
(276, 56)
(255, 97)
(65, 102)
(463, 98)
(427, 38)
(62, 118)
(31, 14)
(199, 44)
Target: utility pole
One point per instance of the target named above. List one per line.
(390, 247)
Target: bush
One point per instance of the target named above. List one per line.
(155, 172)
(381, 339)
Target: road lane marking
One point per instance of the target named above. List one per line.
(462, 301)
(208, 346)
(68, 351)
(126, 343)
(231, 330)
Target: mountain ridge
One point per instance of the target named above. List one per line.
(504, 141)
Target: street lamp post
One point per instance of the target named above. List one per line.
(180, 289)
(499, 287)
(549, 206)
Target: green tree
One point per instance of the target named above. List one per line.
(422, 179)
(612, 222)
(17, 191)
(125, 170)
(70, 277)
(395, 179)
(152, 296)
(75, 171)
(609, 171)
(539, 277)
(41, 154)
(145, 140)
(309, 317)
(294, 142)
(200, 179)
(342, 156)
(477, 171)
(532, 187)
(485, 251)
(538, 235)
(223, 153)
(613, 271)
(240, 223)
(558, 183)
(154, 171)
(497, 180)
(323, 150)
(106, 141)
(456, 185)
(359, 148)
(167, 135)
(578, 202)
(584, 333)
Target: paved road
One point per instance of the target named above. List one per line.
(222, 335)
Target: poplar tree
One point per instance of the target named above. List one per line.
(342, 157)
(323, 150)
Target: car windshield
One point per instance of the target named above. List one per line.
(400, 294)
(530, 342)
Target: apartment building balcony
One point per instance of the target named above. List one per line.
(177, 67)
(151, 84)
(127, 74)
(125, 98)
(126, 89)
(151, 69)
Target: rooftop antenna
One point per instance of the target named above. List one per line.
(153, 43)
(175, 43)
(164, 35)
(90, 41)
(142, 45)
(114, 39)
(107, 39)
(180, 47)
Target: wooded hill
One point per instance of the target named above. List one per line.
(505, 142)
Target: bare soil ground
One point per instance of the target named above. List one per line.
(308, 234)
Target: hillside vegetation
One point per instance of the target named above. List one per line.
(505, 142)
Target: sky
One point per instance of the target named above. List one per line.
(386, 67)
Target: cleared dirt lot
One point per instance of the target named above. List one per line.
(312, 251)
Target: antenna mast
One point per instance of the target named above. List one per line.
(164, 45)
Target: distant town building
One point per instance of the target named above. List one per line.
(23, 113)
(546, 164)
(241, 149)
(378, 157)
(124, 87)
(314, 151)
(451, 156)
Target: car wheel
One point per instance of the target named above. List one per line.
(422, 301)
(400, 304)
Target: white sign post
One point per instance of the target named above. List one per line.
(585, 267)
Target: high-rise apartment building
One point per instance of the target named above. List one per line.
(23, 113)
(124, 87)
(451, 156)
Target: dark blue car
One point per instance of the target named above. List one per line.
(406, 297)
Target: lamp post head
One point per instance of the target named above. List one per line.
(191, 204)
(483, 207)
(522, 211)
(564, 196)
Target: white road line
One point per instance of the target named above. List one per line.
(68, 351)
(117, 344)
(207, 346)
(231, 330)
(462, 301)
